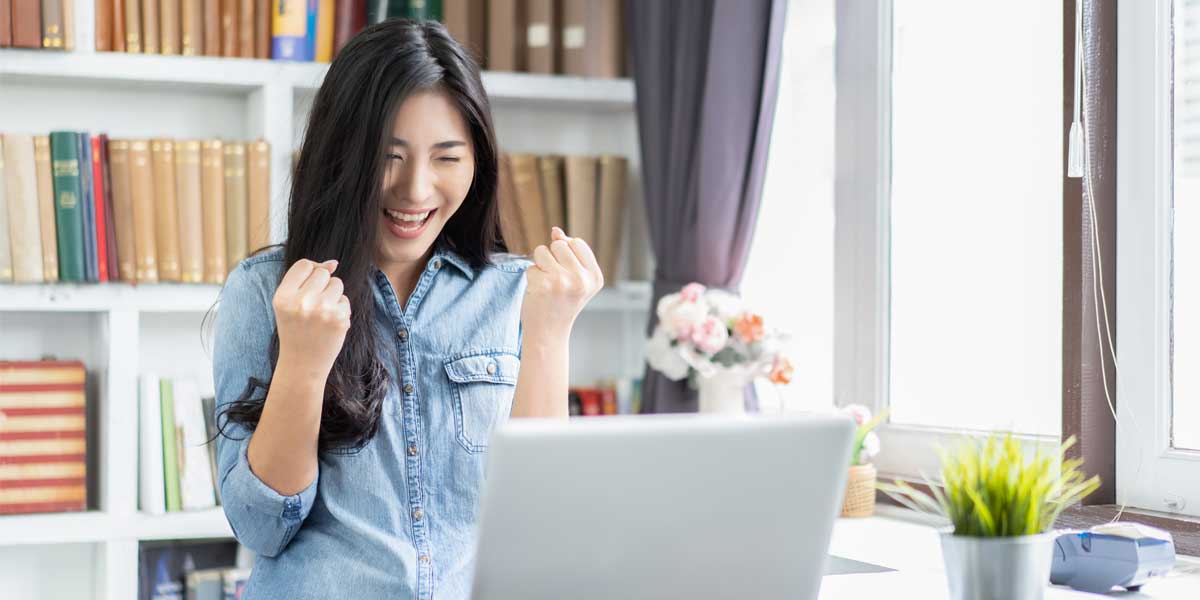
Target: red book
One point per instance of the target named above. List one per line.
(110, 226)
(98, 188)
(591, 401)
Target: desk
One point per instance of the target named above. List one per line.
(895, 539)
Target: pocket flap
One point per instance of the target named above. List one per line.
(491, 367)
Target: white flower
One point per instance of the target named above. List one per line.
(682, 318)
(710, 335)
(870, 447)
(726, 306)
(663, 357)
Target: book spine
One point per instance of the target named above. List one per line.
(169, 26)
(529, 198)
(133, 26)
(64, 152)
(68, 17)
(151, 492)
(191, 216)
(312, 7)
(170, 443)
(52, 24)
(118, 160)
(574, 36)
(141, 185)
(195, 473)
(262, 29)
(290, 22)
(511, 227)
(236, 210)
(541, 36)
(166, 209)
(6, 30)
(104, 23)
(245, 28)
(324, 52)
(118, 24)
(211, 27)
(46, 210)
(101, 218)
(6, 258)
(22, 196)
(258, 184)
(350, 18)
(506, 35)
(191, 23)
(89, 208)
(150, 39)
(229, 28)
(27, 23)
(466, 20)
(212, 198)
(110, 227)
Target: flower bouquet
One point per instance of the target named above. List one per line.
(860, 483)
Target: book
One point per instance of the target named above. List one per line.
(98, 190)
(236, 211)
(310, 29)
(350, 17)
(466, 20)
(151, 484)
(90, 271)
(166, 209)
(52, 24)
(191, 214)
(133, 26)
(5, 23)
(541, 36)
(195, 470)
(46, 209)
(511, 230)
(68, 18)
(21, 194)
(528, 193)
(209, 404)
(122, 194)
(118, 25)
(141, 187)
(212, 202)
(150, 39)
(613, 174)
(68, 212)
(110, 226)
(206, 584)
(27, 23)
(608, 400)
(163, 565)
(581, 197)
(245, 28)
(234, 583)
(324, 42)
(289, 30)
(506, 35)
(170, 18)
(550, 168)
(258, 188)
(43, 437)
(6, 258)
(229, 28)
(103, 25)
(211, 11)
(170, 441)
(262, 29)
(191, 27)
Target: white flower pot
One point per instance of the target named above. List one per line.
(723, 393)
(999, 568)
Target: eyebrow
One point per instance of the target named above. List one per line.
(440, 145)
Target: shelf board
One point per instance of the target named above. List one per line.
(189, 525)
(242, 75)
(198, 298)
(56, 528)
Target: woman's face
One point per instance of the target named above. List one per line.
(428, 170)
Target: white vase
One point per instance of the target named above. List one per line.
(999, 568)
(723, 393)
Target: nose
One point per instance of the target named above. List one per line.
(417, 182)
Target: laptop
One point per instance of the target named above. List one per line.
(660, 506)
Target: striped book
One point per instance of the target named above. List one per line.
(43, 437)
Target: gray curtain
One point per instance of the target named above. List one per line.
(707, 74)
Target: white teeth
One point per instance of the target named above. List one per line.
(399, 216)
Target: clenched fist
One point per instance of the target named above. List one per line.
(563, 278)
(311, 313)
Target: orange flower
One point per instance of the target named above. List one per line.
(781, 371)
(749, 327)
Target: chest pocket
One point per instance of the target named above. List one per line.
(483, 384)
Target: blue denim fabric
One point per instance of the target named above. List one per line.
(396, 518)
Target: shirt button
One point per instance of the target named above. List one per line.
(403, 335)
(437, 263)
(491, 369)
(424, 558)
(412, 449)
(408, 388)
(417, 514)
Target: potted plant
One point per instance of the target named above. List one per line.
(1002, 506)
(710, 338)
(859, 500)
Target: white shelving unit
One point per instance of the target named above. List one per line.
(121, 330)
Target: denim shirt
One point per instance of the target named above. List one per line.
(395, 518)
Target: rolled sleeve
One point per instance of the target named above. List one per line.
(262, 519)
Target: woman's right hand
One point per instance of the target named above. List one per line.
(312, 315)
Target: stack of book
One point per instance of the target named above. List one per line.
(621, 397)
(43, 437)
(37, 24)
(583, 195)
(584, 38)
(201, 570)
(81, 208)
(177, 465)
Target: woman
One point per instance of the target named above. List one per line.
(361, 367)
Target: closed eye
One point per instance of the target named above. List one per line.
(395, 156)
(449, 159)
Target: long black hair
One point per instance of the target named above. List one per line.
(336, 192)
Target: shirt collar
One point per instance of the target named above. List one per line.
(453, 258)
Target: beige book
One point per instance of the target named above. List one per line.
(237, 240)
(169, 26)
(550, 168)
(6, 258)
(68, 8)
(258, 183)
(212, 204)
(141, 190)
(122, 201)
(614, 174)
(245, 28)
(506, 35)
(23, 217)
(150, 39)
(466, 20)
(191, 215)
(191, 27)
(510, 213)
(133, 26)
(581, 197)
(542, 36)
(46, 218)
(166, 209)
(526, 183)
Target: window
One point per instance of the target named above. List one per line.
(1185, 309)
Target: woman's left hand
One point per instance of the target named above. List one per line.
(563, 278)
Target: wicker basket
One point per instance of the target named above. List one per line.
(860, 492)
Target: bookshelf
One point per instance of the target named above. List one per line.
(122, 330)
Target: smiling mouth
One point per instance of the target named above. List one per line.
(408, 222)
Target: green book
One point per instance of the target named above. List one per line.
(166, 396)
(423, 10)
(68, 207)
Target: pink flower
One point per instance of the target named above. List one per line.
(691, 292)
(710, 335)
(749, 327)
(859, 413)
(682, 318)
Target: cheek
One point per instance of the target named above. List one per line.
(456, 185)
